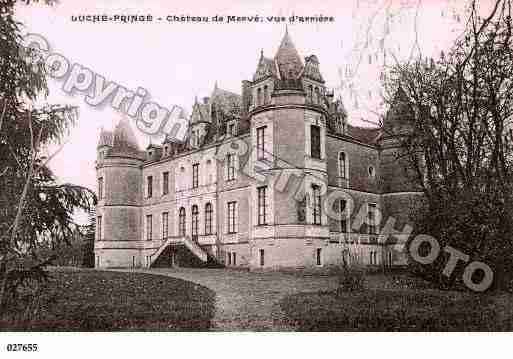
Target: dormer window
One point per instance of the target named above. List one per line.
(166, 150)
(150, 154)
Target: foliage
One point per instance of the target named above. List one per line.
(349, 278)
(35, 210)
(399, 310)
(451, 119)
(83, 300)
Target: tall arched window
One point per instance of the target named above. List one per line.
(342, 165)
(266, 95)
(181, 222)
(208, 218)
(194, 221)
(310, 93)
(317, 96)
(259, 97)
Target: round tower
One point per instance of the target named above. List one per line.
(288, 129)
(119, 189)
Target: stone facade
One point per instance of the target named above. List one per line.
(258, 182)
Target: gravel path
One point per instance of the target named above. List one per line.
(249, 301)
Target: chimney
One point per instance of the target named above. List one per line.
(246, 96)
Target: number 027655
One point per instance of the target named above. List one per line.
(22, 347)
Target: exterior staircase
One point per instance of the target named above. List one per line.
(187, 242)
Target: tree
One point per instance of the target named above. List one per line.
(452, 120)
(35, 210)
(88, 242)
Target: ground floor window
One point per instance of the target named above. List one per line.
(373, 257)
(262, 258)
(181, 221)
(318, 255)
(234, 258)
(229, 258)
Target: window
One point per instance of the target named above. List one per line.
(150, 186)
(261, 143)
(195, 175)
(165, 183)
(230, 165)
(315, 141)
(372, 218)
(316, 204)
(229, 254)
(165, 225)
(317, 96)
(234, 258)
(181, 222)
(373, 257)
(149, 226)
(266, 95)
(310, 93)
(231, 129)
(262, 258)
(390, 259)
(100, 188)
(231, 217)
(99, 228)
(259, 97)
(342, 165)
(262, 205)
(344, 216)
(195, 138)
(208, 218)
(194, 221)
(372, 171)
(318, 258)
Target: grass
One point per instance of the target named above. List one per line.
(399, 310)
(87, 300)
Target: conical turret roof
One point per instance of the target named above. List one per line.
(287, 58)
(124, 137)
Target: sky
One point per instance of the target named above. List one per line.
(176, 61)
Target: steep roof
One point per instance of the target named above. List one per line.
(229, 102)
(266, 68)
(312, 68)
(200, 112)
(124, 138)
(368, 135)
(288, 60)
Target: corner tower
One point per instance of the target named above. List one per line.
(288, 115)
(119, 189)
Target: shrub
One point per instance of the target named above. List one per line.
(350, 279)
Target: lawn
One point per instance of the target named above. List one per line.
(87, 300)
(399, 310)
